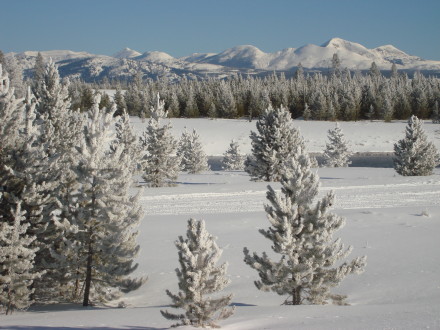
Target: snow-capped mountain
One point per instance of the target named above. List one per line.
(127, 53)
(352, 55)
(240, 59)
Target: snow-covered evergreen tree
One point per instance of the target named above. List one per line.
(38, 74)
(414, 154)
(336, 153)
(161, 165)
(273, 145)
(15, 72)
(190, 151)
(127, 139)
(107, 215)
(233, 160)
(199, 278)
(52, 95)
(16, 262)
(51, 190)
(307, 114)
(302, 233)
(435, 113)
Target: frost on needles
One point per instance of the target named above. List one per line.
(302, 233)
(199, 278)
(414, 154)
(336, 153)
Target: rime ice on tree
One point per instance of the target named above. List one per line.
(275, 143)
(16, 263)
(161, 165)
(302, 234)
(199, 278)
(414, 154)
(232, 159)
(336, 153)
(190, 151)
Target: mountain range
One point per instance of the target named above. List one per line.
(245, 59)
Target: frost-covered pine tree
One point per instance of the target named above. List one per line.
(307, 114)
(15, 71)
(107, 216)
(199, 279)
(414, 154)
(336, 153)
(190, 151)
(233, 160)
(273, 145)
(302, 233)
(127, 139)
(52, 95)
(160, 163)
(435, 113)
(16, 263)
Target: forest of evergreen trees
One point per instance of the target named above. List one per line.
(342, 96)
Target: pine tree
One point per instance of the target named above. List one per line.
(15, 72)
(52, 95)
(199, 277)
(414, 154)
(435, 113)
(275, 143)
(16, 263)
(107, 215)
(336, 153)
(119, 100)
(307, 114)
(232, 159)
(190, 151)
(161, 165)
(38, 74)
(302, 234)
(128, 140)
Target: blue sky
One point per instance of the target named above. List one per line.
(182, 27)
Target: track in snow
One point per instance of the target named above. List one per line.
(349, 197)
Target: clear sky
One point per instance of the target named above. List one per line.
(183, 27)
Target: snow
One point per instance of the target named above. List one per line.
(127, 53)
(352, 55)
(362, 136)
(391, 219)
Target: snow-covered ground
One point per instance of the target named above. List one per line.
(364, 136)
(393, 220)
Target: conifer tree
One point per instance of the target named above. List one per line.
(119, 100)
(107, 215)
(52, 95)
(190, 151)
(16, 262)
(161, 165)
(435, 113)
(275, 143)
(128, 140)
(232, 159)
(414, 154)
(38, 75)
(336, 153)
(15, 72)
(302, 233)
(199, 278)
(307, 114)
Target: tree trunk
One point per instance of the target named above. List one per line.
(88, 275)
(296, 296)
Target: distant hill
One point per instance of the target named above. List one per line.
(245, 59)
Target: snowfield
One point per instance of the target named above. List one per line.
(393, 220)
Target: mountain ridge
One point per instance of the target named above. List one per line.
(246, 59)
